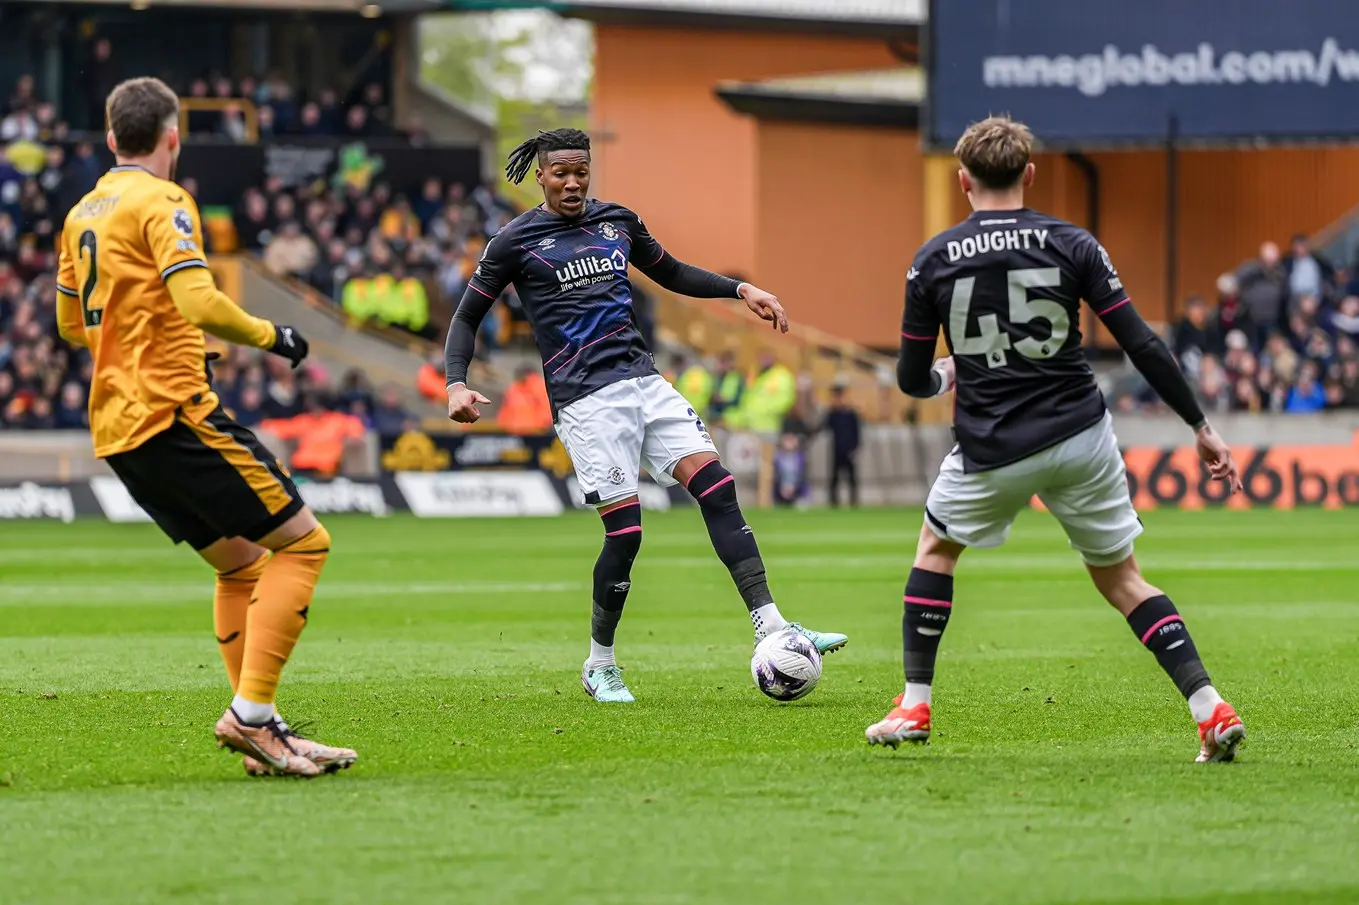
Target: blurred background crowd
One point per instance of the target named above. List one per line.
(321, 234)
(1281, 335)
(327, 236)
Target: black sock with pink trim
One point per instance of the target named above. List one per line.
(927, 605)
(1157, 624)
(613, 569)
(715, 490)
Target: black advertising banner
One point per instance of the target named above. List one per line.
(224, 171)
(298, 161)
(46, 500)
(418, 451)
(1092, 72)
(489, 454)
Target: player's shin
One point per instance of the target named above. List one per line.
(713, 487)
(613, 577)
(277, 615)
(230, 604)
(927, 605)
(1160, 628)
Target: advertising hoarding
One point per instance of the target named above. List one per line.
(1087, 73)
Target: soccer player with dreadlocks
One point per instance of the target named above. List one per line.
(568, 259)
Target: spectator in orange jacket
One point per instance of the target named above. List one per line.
(429, 380)
(320, 436)
(526, 409)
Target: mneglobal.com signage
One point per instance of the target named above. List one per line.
(1110, 72)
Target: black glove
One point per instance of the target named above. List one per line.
(208, 359)
(289, 344)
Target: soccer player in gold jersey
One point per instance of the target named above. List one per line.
(134, 288)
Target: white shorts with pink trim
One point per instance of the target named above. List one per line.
(616, 431)
(1082, 481)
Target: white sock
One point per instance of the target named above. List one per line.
(600, 655)
(916, 693)
(1202, 703)
(252, 713)
(767, 620)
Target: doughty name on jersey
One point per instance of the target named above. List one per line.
(997, 240)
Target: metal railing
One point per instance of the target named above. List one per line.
(712, 326)
(249, 113)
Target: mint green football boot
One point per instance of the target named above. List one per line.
(826, 642)
(605, 684)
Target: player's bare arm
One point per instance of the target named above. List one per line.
(764, 305)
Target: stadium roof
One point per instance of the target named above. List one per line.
(887, 12)
(889, 16)
(354, 6)
(870, 97)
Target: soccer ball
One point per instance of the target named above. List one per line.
(786, 666)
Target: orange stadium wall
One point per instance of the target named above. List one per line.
(828, 216)
(837, 221)
(839, 258)
(1229, 202)
(666, 145)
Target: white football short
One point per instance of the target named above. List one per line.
(1081, 480)
(616, 430)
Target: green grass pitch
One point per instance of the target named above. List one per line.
(448, 652)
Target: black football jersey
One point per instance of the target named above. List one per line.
(1006, 286)
(572, 279)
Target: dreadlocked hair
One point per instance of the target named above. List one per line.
(522, 157)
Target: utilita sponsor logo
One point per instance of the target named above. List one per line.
(32, 501)
(593, 269)
(343, 495)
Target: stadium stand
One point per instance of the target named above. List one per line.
(376, 258)
(1282, 335)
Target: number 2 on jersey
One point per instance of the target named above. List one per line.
(90, 244)
(991, 342)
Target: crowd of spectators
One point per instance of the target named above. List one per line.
(1282, 335)
(43, 381)
(312, 411)
(328, 235)
(280, 110)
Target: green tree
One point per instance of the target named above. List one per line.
(533, 69)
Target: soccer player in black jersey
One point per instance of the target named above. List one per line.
(1006, 286)
(568, 258)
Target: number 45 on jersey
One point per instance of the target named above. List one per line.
(993, 343)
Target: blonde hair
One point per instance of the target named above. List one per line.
(995, 151)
